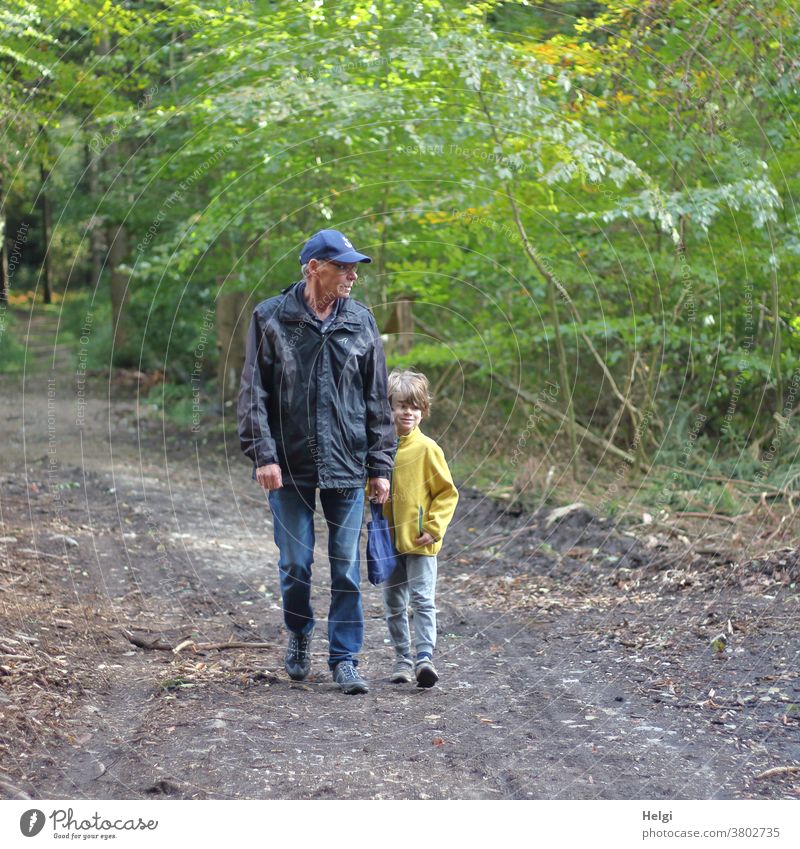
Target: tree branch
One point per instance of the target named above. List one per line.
(157, 644)
(550, 278)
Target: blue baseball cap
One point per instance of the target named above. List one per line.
(331, 244)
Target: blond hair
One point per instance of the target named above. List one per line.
(407, 385)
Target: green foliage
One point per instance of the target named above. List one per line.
(167, 327)
(602, 188)
(175, 401)
(12, 354)
(85, 326)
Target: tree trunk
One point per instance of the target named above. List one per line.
(3, 265)
(120, 277)
(382, 310)
(233, 321)
(405, 325)
(399, 326)
(47, 280)
(3, 248)
(97, 241)
(563, 377)
(775, 365)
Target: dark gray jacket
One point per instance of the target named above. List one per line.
(316, 403)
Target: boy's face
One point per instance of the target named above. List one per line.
(406, 416)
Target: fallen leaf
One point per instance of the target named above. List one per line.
(437, 741)
(719, 642)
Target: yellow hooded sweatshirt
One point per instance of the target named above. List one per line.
(423, 495)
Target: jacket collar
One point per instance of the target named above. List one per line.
(294, 309)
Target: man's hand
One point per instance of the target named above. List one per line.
(424, 539)
(378, 490)
(270, 476)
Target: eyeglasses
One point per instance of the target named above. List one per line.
(343, 268)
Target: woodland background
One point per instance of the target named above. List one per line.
(582, 217)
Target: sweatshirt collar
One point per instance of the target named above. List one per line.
(409, 437)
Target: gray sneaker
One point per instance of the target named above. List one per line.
(403, 671)
(346, 676)
(426, 673)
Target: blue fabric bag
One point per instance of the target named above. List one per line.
(381, 557)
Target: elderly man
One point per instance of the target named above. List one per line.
(313, 414)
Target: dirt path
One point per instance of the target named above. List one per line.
(575, 661)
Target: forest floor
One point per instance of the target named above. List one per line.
(578, 659)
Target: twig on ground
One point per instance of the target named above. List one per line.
(771, 490)
(762, 500)
(38, 553)
(157, 644)
(767, 554)
(778, 770)
(232, 645)
(721, 517)
(776, 531)
(717, 552)
(12, 791)
(504, 537)
(693, 547)
(782, 526)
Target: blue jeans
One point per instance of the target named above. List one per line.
(293, 514)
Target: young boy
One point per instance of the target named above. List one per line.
(422, 502)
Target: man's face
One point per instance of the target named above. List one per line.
(336, 279)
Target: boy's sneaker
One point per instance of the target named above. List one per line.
(403, 672)
(348, 679)
(297, 661)
(425, 673)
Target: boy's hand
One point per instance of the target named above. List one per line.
(424, 539)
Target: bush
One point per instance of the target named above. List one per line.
(12, 354)
(176, 401)
(85, 324)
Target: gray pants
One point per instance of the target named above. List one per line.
(413, 579)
